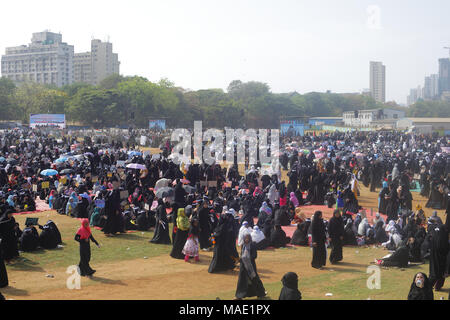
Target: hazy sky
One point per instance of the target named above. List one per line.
(289, 44)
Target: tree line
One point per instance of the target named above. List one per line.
(124, 101)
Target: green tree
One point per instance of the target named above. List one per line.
(7, 91)
(111, 82)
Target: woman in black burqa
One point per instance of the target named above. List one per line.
(438, 256)
(399, 258)
(300, 236)
(225, 253)
(3, 273)
(249, 284)
(112, 212)
(336, 231)
(161, 235)
(421, 288)
(319, 258)
(8, 235)
(204, 220)
(290, 287)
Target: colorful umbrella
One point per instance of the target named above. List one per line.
(49, 172)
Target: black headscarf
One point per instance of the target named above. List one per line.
(290, 287)
(318, 227)
(425, 293)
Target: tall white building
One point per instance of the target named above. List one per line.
(415, 95)
(378, 81)
(431, 87)
(45, 60)
(92, 67)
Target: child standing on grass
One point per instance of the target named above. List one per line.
(191, 246)
(84, 236)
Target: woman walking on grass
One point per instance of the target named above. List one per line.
(84, 236)
(249, 284)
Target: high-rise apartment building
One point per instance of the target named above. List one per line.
(45, 60)
(378, 81)
(92, 67)
(431, 87)
(444, 75)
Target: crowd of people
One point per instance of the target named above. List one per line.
(116, 188)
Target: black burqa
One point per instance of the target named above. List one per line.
(319, 258)
(8, 235)
(447, 227)
(112, 212)
(424, 293)
(161, 235)
(85, 255)
(336, 232)
(29, 240)
(399, 258)
(205, 229)
(300, 236)
(438, 256)
(48, 238)
(380, 233)
(3, 273)
(383, 202)
(225, 253)
(249, 284)
(393, 205)
(290, 287)
(278, 237)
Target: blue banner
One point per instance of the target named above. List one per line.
(292, 128)
(157, 125)
(48, 120)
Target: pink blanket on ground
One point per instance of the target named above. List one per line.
(41, 206)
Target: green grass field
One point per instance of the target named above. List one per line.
(345, 281)
(120, 247)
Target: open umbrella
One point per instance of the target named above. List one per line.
(49, 172)
(89, 154)
(134, 153)
(66, 171)
(61, 160)
(165, 192)
(136, 166)
(2, 159)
